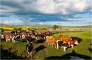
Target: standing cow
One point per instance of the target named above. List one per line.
(29, 48)
(62, 44)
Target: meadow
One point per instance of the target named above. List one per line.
(44, 51)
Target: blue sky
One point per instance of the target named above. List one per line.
(46, 12)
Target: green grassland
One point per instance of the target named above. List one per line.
(20, 47)
(43, 28)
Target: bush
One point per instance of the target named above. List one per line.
(44, 29)
(1, 29)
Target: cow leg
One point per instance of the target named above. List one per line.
(57, 46)
(27, 52)
(52, 44)
(27, 42)
(72, 46)
(69, 44)
(7, 40)
(31, 54)
(49, 43)
(64, 49)
(13, 40)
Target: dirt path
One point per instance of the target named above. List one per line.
(34, 51)
(45, 50)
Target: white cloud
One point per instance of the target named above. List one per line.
(12, 22)
(52, 6)
(41, 23)
(61, 6)
(7, 9)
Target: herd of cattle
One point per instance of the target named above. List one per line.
(31, 35)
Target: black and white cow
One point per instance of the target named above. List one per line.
(13, 38)
(60, 43)
(29, 48)
(2, 36)
(18, 37)
(40, 37)
(29, 38)
(76, 39)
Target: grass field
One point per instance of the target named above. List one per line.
(48, 52)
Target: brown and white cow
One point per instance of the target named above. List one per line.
(60, 43)
(8, 38)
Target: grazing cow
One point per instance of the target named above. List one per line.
(18, 36)
(23, 37)
(40, 37)
(2, 36)
(52, 42)
(62, 44)
(14, 32)
(33, 36)
(48, 39)
(8, 38)
(29, 48)
(68, 40)
(76, 39)
(29, 38)
(13, 38)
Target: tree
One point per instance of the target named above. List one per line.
(19, 29)
(1, 30)
(55, 27)
(15, 28)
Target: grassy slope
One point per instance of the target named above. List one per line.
(82, 48)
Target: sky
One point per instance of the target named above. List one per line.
(46, 12)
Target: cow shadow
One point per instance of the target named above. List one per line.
(41, 47)
(37, 49)
(68, 56)
(90, 49)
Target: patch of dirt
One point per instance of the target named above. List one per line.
(45, 50)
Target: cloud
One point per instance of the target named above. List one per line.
(63, 7)
(35, 12)
(12, 22)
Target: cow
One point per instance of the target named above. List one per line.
(14, 32)
(51, 41)
(48, 39)
(13, 38)
(68, 40)
(40, 36)
(29, 48)
(2, 36)
(76, 39)
(23, 37)
(60, 43)
(18, 37)
(29, 38)
(8, 38)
